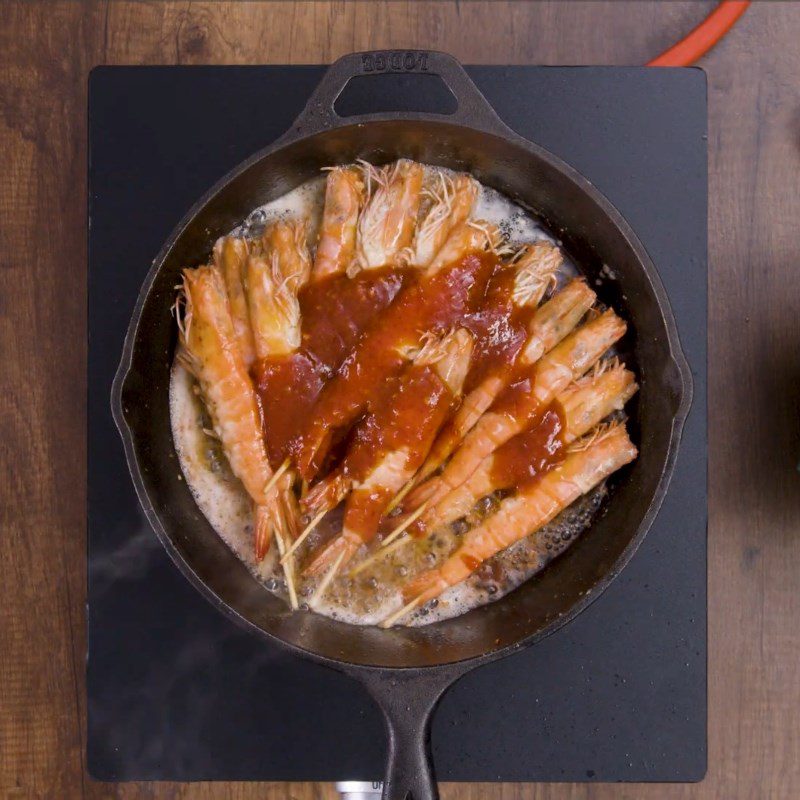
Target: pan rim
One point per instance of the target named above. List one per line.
(675, 353)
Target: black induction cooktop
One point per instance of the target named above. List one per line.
(175, 690)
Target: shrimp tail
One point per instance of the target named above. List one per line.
(279, 515)
(422, 493)
(424, 587)
(326, 494)
(289, 514)
(342, 545)
(264, 528)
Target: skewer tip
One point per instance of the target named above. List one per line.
(398, 615)
(405, 524)
(326, 581)
(276, 476)
(381, 553)
(304, 535)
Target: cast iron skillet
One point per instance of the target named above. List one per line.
(407, 670)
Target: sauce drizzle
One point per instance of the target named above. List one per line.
(334, 312)
(434, 303)
(528, 456)
(500, 329)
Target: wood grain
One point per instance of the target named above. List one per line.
(754, 339)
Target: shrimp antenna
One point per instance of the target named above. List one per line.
(536, 265)
(300, 228)
(441, 209)
(372, 173)
(181, 309)
(187, 361)
(433, 349)
(529, 283)
(494, 242)
(599, 434)
(604, 365)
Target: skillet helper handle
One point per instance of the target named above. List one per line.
(408, 702)
(473, 110)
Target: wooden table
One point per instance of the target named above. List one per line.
(754, 341)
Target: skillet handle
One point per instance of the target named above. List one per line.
(408, 702)
(474, 110)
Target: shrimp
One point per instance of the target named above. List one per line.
(555, 319)
(230, 257)
(273, 280)
(513, 410)
(447, 290)
(210, 353)
(536, 266)
(463, 238)
(285, 241)
(344, 197)
(452, 202)
(581, 407)
(391, 443)
(548, 326)
(274, 308)
(386, 225)
(588, 463)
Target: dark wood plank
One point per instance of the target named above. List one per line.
(45, 55)
(754, 502)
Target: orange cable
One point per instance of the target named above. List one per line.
(699, 41)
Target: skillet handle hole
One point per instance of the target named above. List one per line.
(395, 92)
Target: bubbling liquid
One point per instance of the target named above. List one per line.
(373, 594)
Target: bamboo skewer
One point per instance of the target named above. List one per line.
(304, 535)
(329, 576)
(390, 620)
(276, 476)
(400, 496)
(288, 571)
(400, 528)
(382, 553)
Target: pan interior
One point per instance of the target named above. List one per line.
(593, 234)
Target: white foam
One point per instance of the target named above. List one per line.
(303, 202)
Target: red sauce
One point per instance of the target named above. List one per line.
(365, 509)
(354, 330)
(425, 304)
(408, 420)
(499, 327)
(334, 312)
(287, 389)
(417, 407)
(470, 562)
(516, 399)
(531, 454)
(337, 309)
